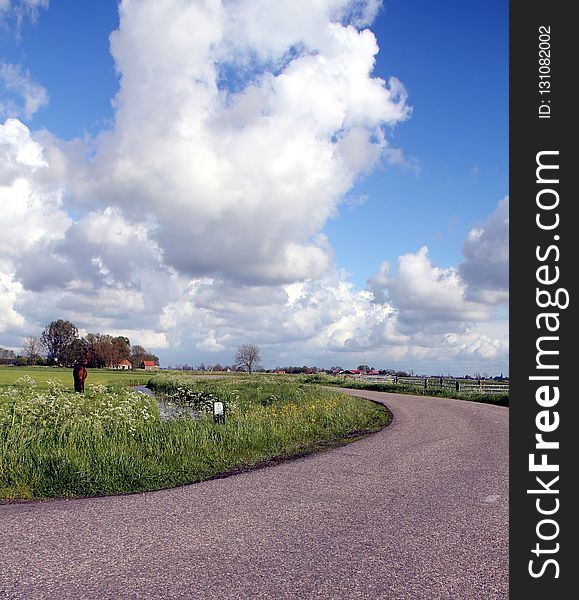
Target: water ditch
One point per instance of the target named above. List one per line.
(167, 409)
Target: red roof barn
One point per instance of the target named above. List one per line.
(149, 365)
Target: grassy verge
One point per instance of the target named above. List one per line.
(396, 388)
(110, 440)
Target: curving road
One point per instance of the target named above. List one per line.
(416, 511)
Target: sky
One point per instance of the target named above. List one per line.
(327, 180)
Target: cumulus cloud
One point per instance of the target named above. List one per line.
(485, 269)
(327, 320)
(97, 270)
(11, 320)
(21, 155)
(210, 343)
(427, 294)
(195, 222)
(240, 129)
(432, 298)
(451, 313)
(32, 214)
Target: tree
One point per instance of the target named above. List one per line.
(107, 351)
(153, 357)
(139, 354)
(57, 339)
(77, 352)
(31, 348)
(7, 356)
(247, 355)
(121, 349)
(99, 349)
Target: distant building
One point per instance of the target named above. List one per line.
(123, 365)
(149, 365)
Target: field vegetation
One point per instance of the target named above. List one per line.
(500, 399)
(42, 375)
(111, 439)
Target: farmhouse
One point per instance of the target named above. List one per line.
(149, 365)
(123, 365)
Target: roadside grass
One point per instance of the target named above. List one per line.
(110, 440)
(397, 388)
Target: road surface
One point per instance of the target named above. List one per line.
(416, 511)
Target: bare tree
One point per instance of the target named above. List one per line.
(247, 355)
(31, 348)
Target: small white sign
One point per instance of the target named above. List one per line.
(218, 408)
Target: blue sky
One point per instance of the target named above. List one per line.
(449, 175)
(452, 58)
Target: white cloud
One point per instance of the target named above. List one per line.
(19, 152)
(18, 10)
(210, 343)
(429, 298)
(425, 295)
(475, 345)
(240, 177)
(452, 314)
(10, 290)
(19, 95)
(485, 269)
(32, 215)
(195, 225)
(149, 339)
(327, 321)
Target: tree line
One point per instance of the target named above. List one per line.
(61, 345)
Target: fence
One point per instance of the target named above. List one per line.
(466, 386)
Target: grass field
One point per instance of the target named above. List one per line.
(500, 399)
(9, 375)
(109, 440)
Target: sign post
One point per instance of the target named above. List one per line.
(218, 412)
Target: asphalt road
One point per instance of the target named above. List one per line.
(416, 511)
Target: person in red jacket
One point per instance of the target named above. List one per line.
(79, 374)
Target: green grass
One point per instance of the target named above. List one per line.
(8, 376)
(396, 388)
(110, 440)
